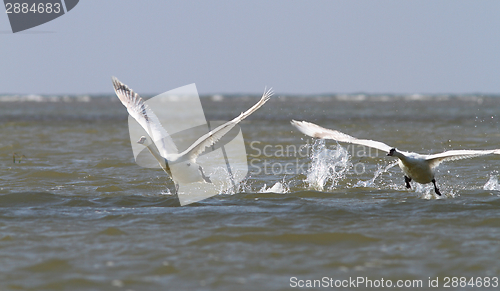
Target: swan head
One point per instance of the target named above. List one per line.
(391, 152)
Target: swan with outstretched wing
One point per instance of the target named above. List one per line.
(417, 167)
(161, 145)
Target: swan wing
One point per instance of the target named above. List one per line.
(209, 139)
(436, 159)
(317, 131)
(141, 112)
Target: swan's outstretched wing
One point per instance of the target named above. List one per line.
(141, 112)
(317, 131)
(216, 134)
(436, 159)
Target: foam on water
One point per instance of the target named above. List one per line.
(427, 191)
(227, 184)
(492, 183)
(279, 187)
(40, 98)
(166, 191)
(328, 166)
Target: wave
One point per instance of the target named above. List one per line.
(478, 98)
(42, 98)
(326, 238)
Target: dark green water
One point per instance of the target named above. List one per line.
(77, 213)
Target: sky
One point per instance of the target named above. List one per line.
(296, 47)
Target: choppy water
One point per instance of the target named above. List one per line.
(77, 213)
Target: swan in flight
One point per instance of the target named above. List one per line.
(183, 165)
(417, 167)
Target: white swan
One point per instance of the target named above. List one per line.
(417, 167)
(161, 145)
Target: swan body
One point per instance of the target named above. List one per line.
(180, 166)
(417, 167)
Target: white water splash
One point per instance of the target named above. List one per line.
(426, 191)
(166, 191)
(327, 165)
(225, 182)
(371, 183)
(492, 184)
(279, 187)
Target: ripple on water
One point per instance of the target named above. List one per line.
(25, 199)
(78, 214)
(291, 238)
(50, 265)
(112, 231)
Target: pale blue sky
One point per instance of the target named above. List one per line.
(297, 47)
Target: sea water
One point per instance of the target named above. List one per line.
(77, 212)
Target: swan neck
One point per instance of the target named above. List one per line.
(399, 155)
